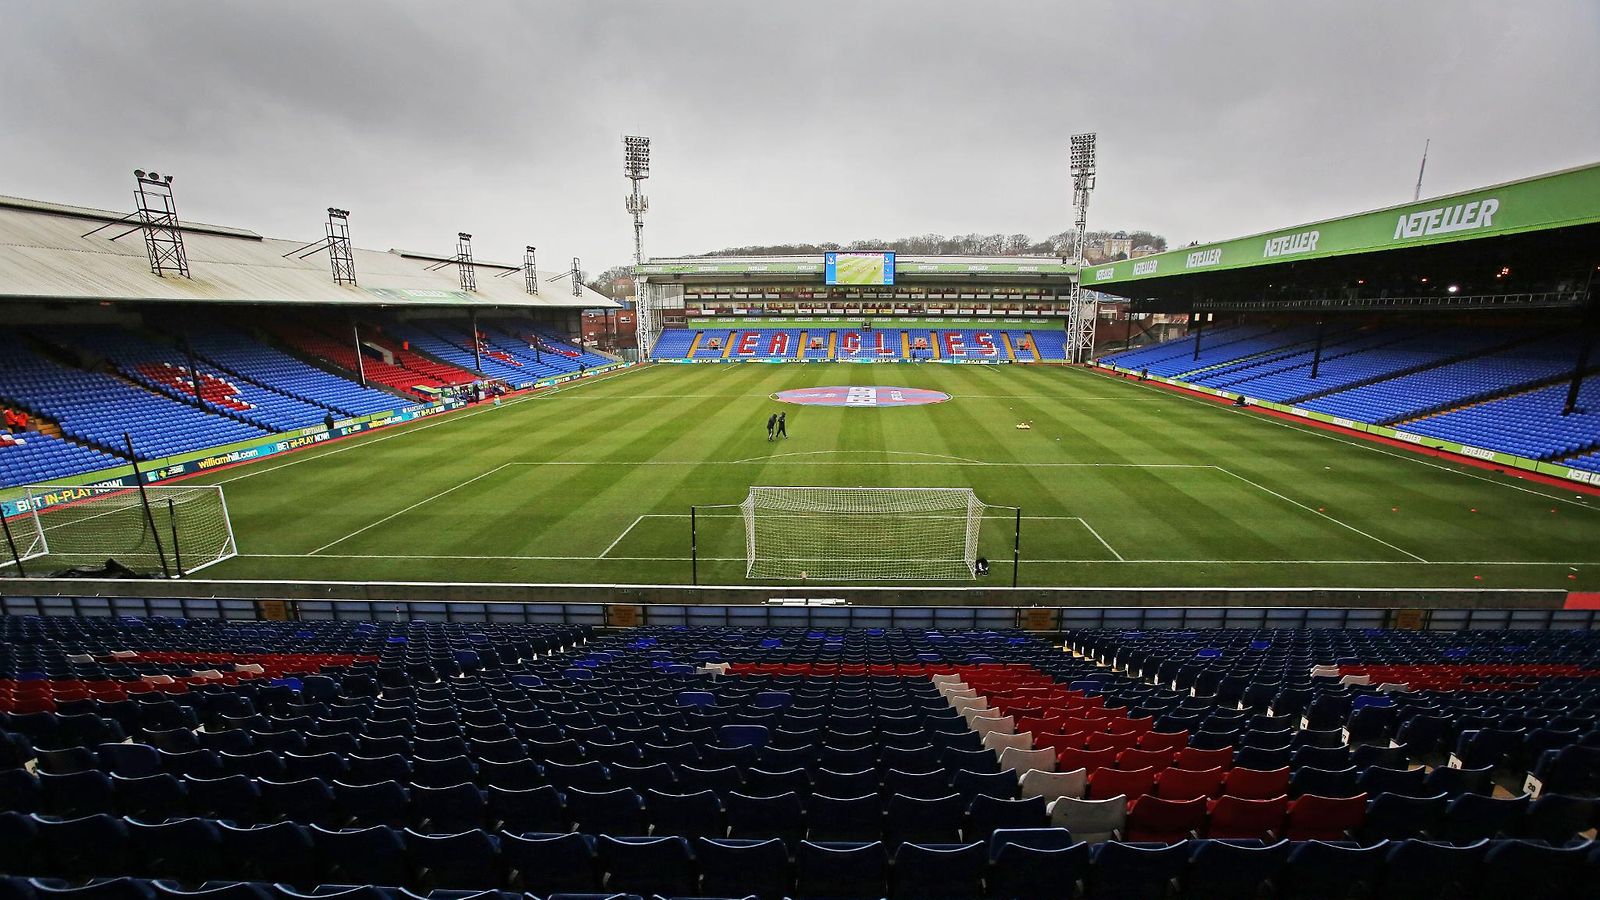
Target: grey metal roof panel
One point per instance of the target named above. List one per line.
(44, 255)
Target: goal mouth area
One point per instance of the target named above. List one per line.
(861, 534)
(155, 529)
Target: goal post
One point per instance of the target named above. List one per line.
(862, 533)
(24, 535)
(165, 529)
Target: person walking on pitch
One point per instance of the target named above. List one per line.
(772, 422)
(783, 426)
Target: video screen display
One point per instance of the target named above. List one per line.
(859, 268)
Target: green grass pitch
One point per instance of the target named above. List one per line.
(1121, 484)
(859, 270)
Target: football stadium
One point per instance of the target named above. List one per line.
(1258, 567)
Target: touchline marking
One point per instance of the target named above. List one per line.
(1363, 445)
(408, 509)
(1005, 517)
(757, 460)
(403, 430)
(1322, 514)
(1053, 562)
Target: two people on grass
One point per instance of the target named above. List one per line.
(777, 426)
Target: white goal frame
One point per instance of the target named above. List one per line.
(864, 534)
(172, 529)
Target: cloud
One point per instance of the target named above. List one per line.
(771, 122)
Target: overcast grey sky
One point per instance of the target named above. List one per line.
(784, 121)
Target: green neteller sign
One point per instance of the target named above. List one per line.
(1557, 200)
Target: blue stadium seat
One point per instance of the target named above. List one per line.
(111, 889)
(373, 855)
(939, 871)
(526, 811)
(617, 812)
(1331, 870)
(1134, 871)
(648, 864)
(1559, 872)
(840, 870)
(447, 810)
(469, 859)
(1395, 816)
(834, 819)
(781, 816)
(280, 852)
(75, 794)
(188, 850)
(696, 815)
(546, 864)
(1424, 870)
(232, 798)
(380, 803)
(1221, 870)
(731, 867)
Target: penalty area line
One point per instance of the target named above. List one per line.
(1085, 524)
(613, 545)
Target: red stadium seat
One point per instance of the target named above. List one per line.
(1105, 783)
(1143, 759)
(1168, 821)
(1057, 741)
(1186, 784)
(1164, 740)
(1237, 817)
(1104, 740)
(1067, 759)
(1314, 818)
(1196, 758)
(1256, 784)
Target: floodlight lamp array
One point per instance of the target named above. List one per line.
(636, 156)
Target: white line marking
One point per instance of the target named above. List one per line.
(400, 512)
(1102, 540)
(1332, 436)
(943, 456)
(1321, 514)
(1025, 561)
(624, 534)
(1000, 516)
(758, 460)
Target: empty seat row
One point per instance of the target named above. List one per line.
(1020, 865)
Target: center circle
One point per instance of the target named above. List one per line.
(858, 395)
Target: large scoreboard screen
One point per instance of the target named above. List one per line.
(859, 268)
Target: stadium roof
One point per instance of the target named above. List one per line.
(45, 255)
(809, 267)
(1542, 204)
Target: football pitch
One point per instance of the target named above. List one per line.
(1119, 483)
(860, 269)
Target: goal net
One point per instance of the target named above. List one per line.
(868, 534)
(185, 529)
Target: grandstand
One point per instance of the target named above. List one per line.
(193, 369)
(530, 647)
(167, 757)
(1475, 338)
(939, 308)
(979, 567)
